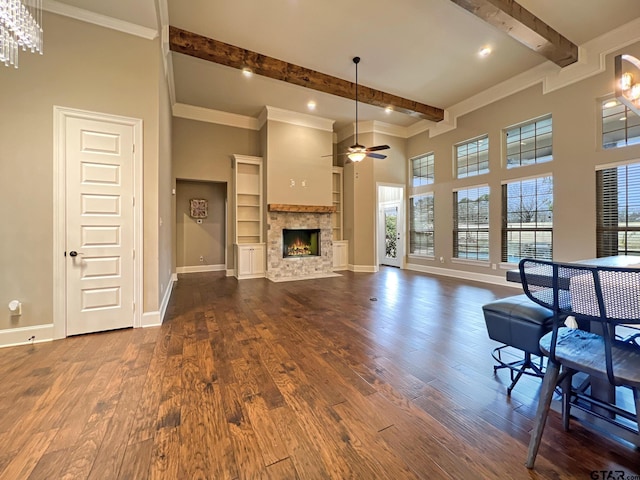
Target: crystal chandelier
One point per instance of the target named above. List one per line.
(20, 27)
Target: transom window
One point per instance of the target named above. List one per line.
(527, 219)
(618, 210)
(471, 223)
(422, 169)
(620, 125)
(529, 143)
(421, 225)
(472, 157)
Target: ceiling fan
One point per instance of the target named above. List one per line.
(357, 152)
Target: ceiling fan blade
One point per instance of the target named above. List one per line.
(376, 155)
(379, 147)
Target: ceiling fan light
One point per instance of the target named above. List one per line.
(356, 156)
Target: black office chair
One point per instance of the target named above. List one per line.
(603, 296)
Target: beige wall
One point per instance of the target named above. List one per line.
(576, 118)
(206, 239)
(84, 67)
(296, 154)
(202, 151)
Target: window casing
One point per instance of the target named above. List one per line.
(529, 143)
(421, 228)
(422, 170)
(618, 210)
(472, 157)
(620, 125)
(471, 223)
(527, 219)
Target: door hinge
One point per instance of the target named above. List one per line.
(133, 254)
(133, 201)
(134, 306)
(133, 148)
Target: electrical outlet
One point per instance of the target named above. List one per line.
(201, 258)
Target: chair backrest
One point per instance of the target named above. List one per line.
(609, 295)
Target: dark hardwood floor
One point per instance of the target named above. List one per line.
(365, 376)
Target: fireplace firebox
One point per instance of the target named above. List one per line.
(301, 243)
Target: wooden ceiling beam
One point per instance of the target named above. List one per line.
(205, 48)
(522, 25)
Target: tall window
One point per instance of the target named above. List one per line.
(618, 211)
(529, 143)
(620, 126)
(527, 219)
(471, 223)
(422, 170)
(421, 225)
(472, 157)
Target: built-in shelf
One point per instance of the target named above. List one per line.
(248, 198)
(336, 217)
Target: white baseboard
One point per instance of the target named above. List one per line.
(201, 268)
(166, 298)
(478, 277)
(363, 268)
(20, 336)
(151, 319)
(231, 272)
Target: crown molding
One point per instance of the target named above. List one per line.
(65, 10)
(208, 115)
(295, 118)
(375, 126)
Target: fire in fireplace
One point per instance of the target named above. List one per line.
(300, 243)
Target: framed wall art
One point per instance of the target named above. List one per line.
(199, 208)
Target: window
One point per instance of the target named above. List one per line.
(529, 143)
(472, 157)
(422, 170)
(421, 225)
(618, 211)
(620, 126)
(527, 219)
(471, 223)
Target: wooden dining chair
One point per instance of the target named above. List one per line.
(602, 297)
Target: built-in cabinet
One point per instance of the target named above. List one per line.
(248, 197)
(250, 260)
(336, 217)
(340, 254)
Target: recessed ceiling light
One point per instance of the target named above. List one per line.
(484, 51)
(388, 110)
(610, 103)
(247, 72)
(622, 119)
(311, 105)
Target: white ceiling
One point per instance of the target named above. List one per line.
(424, 50)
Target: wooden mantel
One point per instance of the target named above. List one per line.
(280, 207)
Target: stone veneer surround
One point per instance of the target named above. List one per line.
(279, 268)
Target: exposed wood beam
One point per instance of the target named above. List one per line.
(195, 45)
(525, 27)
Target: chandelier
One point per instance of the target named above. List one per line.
(20, 28)
(627, 71)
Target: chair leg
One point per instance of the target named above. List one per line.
(546, 394)
(566, 383)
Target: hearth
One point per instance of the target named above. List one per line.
(301, 242)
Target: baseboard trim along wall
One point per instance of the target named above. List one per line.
(22, 335)
(201, 268)
(478, 277)
(363, 268)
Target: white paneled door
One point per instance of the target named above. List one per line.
(99, 244)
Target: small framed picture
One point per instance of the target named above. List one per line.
(199, 208)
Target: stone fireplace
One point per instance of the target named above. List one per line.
(300, 226)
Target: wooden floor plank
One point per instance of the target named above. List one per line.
(385, 375)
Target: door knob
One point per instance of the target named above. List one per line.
(73, 253)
